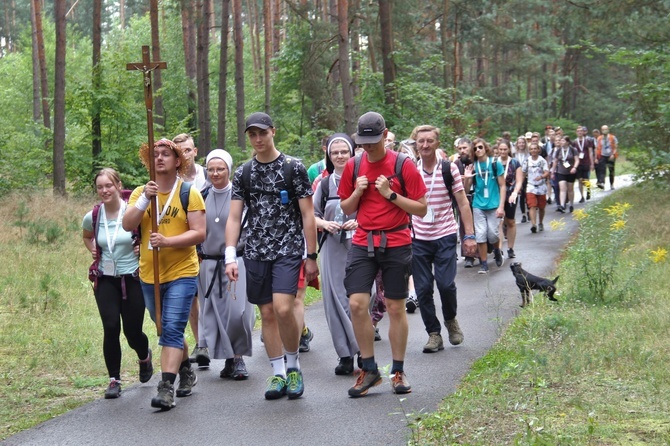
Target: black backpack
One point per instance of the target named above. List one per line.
(288, 181)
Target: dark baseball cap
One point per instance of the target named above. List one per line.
(260, 120)
(371, 128)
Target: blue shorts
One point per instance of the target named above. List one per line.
(265, 278)
(176, 299)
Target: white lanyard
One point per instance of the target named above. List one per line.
(580, 143)
(507, 164)
(564, 153)
(112, 242)
(167, 203)
(432, 182)
(479, 171)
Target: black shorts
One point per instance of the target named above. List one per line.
(570, 178)
(583, 173)
(265, 278)
(395, 264)
(510, 209)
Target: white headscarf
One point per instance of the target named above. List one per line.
(225, 156)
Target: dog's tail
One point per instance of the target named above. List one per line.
(555, 280)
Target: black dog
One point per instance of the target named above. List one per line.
(527, 282)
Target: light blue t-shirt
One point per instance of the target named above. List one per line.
(486, 180)
(124, 257)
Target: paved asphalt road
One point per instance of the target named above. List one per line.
(224, 412)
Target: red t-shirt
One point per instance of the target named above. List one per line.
(374, 211)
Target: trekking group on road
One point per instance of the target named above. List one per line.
(380, 222)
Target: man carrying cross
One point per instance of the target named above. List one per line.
(181, 225)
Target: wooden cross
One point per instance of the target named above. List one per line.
(146, 67)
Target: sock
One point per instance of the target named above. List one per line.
(369, 364)
(292, 360)
(115, 378)
(169, 377)
(397, 366)
(278, 366)
(185, 364)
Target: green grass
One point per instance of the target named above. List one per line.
(579, 371)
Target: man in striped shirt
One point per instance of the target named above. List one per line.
(435, 240)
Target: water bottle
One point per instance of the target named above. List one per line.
(339, 218)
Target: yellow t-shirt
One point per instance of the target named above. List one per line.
(174, 263)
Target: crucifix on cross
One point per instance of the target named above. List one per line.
(147, 67)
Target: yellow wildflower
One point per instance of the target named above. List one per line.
(659, 255)
(618, 225)
(618, 209)
(579, 215)
(558, 225)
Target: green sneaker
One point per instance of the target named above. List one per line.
(294, 384)
(276, 387)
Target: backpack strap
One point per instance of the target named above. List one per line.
(184, 194)
(95, 214)
(448, 179)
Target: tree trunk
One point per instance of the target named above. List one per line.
(355, 48)
(267, 27)
(159, 112)
(276, 25)
(122, 13)
(188, 38)
(347, 94)
(239, 72)
(96, 133)
(36, 66)
(444, 35)
(387, 51)
(44, 81)
(202, 65)
(223, 75)
(254, 38)
(59, 100)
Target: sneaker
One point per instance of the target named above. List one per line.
(510, 253)
(571, 209)
(295, 385)
(434, 343)
(240, 372)
(524, 219)
(601, 185)
(187, 379)
(345, 367)
(541, 226)
(498, 255)
(113, 390)
(201, 355)
(548, 200)
(146, 368)
(228, 368)
(165, 398)
(484, 269)
(365, 380)
(378, 337)
(275, 388)
(412, 303)
(305, 338)
(582, 200)
(533, 229)
(612, 188)
(560, 209)
(455, 333)
(469, 262)
(399, 383)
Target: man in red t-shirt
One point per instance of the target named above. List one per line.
(382, 241)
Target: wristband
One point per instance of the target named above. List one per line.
(142, 203)
(230, 255)
(468, 237)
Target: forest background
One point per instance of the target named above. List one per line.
(472, 68)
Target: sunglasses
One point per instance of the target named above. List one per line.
(479, 147)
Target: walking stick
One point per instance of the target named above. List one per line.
(146, 67)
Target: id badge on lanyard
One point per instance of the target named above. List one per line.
(430, 216)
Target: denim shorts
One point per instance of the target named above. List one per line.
(176, 299)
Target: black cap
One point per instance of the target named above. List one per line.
(260, 120)
(371, 128)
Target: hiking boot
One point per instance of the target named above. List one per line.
(483, 269)
(434, 343)
(239, 370)
(345, 367)
(187, 379)
(510, 253)
(469, 262)
(165, 398)
(275, 388)
(399, 383)
(305, 339)
(533, 229)
(378, 337)
(228, 369)
(365, 380)
(541, 227)
(146, 368)
(412, 303)
(498, 255)
(295, 385)
(201, 355)
(113, 390)
(455, 333)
